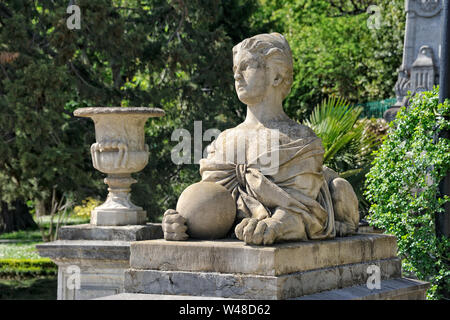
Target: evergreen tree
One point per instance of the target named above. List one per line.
(350, 49)
(175, 55)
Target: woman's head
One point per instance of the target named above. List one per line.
(265, 53)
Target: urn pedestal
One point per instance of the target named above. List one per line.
(92, 258)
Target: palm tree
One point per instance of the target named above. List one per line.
(348, 141)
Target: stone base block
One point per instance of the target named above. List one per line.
(104, 217)
(234, 256)
(143, 296)
(111, 233)
(232, 269)
(394, 289)
(92, 259)
(88, 269)
(246, 286)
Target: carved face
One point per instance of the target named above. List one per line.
(250, 78)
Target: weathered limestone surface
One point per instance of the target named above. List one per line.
(232, 269)
(85, 249)
(120, 150)
(248, 286)
(97, 265)
(144, 296)
(393, 289)
(271, 165)
(108, 233)
(419, 70)
(211, 214)
(95, 256)
(233, 256)
(124, 217)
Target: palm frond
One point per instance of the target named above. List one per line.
(334, 122)
(348, 141)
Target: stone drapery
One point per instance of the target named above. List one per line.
(297, 186)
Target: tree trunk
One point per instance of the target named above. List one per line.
(18, 218)
(40, 208)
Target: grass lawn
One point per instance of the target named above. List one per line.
(23, 235)
(19, 250)
(21, 245)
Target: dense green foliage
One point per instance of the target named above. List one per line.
(20, 268)
(348, 141)
(403, 187)
(335, 52)
(171, 54)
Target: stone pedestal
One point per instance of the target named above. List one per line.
(102, 217)
(92, 259)
(232, 269)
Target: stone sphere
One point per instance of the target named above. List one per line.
(209, 210)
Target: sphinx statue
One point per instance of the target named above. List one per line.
(271, 165)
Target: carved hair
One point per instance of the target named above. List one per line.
(271, 47)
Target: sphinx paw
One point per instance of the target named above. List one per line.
(174, 226)
(254, 231)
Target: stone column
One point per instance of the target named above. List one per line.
(92, 259)
(422, 30)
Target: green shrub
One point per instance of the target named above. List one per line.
(87, 205)
(348, 141)
(11, 268)
(402, 186)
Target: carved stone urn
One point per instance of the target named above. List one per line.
(119, 151)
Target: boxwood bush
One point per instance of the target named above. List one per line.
(25, 268)
(402, 186)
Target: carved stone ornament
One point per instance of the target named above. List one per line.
(422, 70)
(271, 165)
(120, 150)
(402, 86)
(424, 8)
(429, 5)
